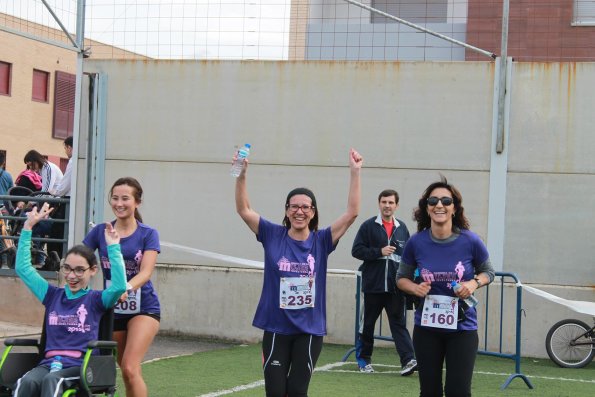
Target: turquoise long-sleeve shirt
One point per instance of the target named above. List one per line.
(39, 286)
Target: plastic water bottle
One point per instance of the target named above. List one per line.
(56, 364)
(471, 300)
(237, 165)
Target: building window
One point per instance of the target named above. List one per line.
(584, 13)
(64, 92)
(41, 86)
(5, 69)
(63, 164)
(415, 11)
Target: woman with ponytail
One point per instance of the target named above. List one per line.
(137, 313)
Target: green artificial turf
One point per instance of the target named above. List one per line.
(240, 367)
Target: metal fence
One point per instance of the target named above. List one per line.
(516, 356)
(14, 220)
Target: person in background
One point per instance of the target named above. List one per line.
(292, 307)
(69, 303)
(50, 172)
(379, 244)
(138, 312)
(5, 184)
(29, 179)
(63, 188)
(5, 177)
(444, 250)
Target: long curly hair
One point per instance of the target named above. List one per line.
(421, 216)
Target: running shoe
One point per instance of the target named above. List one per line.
(368, 369)
(409, 368)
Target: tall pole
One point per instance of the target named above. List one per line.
(502, 80)
(80, 44)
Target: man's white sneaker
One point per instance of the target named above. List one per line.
(409, 368)
(368, 369)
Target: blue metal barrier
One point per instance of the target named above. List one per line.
(358, 301)
(519, 308)
(516, 356)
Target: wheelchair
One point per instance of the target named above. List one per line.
(97, 374)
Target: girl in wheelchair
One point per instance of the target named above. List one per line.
(72, 312)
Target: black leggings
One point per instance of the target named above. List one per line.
(433, 348)
(288, 362)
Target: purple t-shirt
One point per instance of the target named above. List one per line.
(143, 239)
(71, 323)
(441, 263)
(293, 299)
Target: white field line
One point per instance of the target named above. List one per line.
(259, 383)
(333, 367)
(475, 372)
(252, 385)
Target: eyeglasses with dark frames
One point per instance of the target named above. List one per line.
(306, 209)
(446, 201)
(78, 271)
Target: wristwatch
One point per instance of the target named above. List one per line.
(477, 281)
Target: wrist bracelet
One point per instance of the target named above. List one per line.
(477, 281)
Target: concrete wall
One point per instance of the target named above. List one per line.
(173, 125)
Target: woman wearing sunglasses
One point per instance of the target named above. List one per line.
(292, 307)
(444, 250)
(72, 312)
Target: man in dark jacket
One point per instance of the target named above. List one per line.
(379, 244)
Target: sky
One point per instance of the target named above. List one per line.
(178, 29)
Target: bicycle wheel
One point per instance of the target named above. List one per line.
(562, 351)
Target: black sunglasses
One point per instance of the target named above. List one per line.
(446, 201)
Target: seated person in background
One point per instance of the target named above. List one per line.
(29, 179)
(51, 176)
(75, 301)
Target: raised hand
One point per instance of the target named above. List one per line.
(34, 216)
(244, 163)
(111, 234)
(355, 159)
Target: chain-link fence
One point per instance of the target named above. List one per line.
(379, 30)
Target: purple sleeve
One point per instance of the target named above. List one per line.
(152, 241)
(328, 240)
(480, 254)
(408, 257)
(263, 227)
(49, 294)
(91, 240)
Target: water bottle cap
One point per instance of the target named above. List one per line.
(453, 283)
(248, 145)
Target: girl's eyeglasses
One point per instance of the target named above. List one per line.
(78, 271)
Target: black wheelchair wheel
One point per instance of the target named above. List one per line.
(569, 343)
